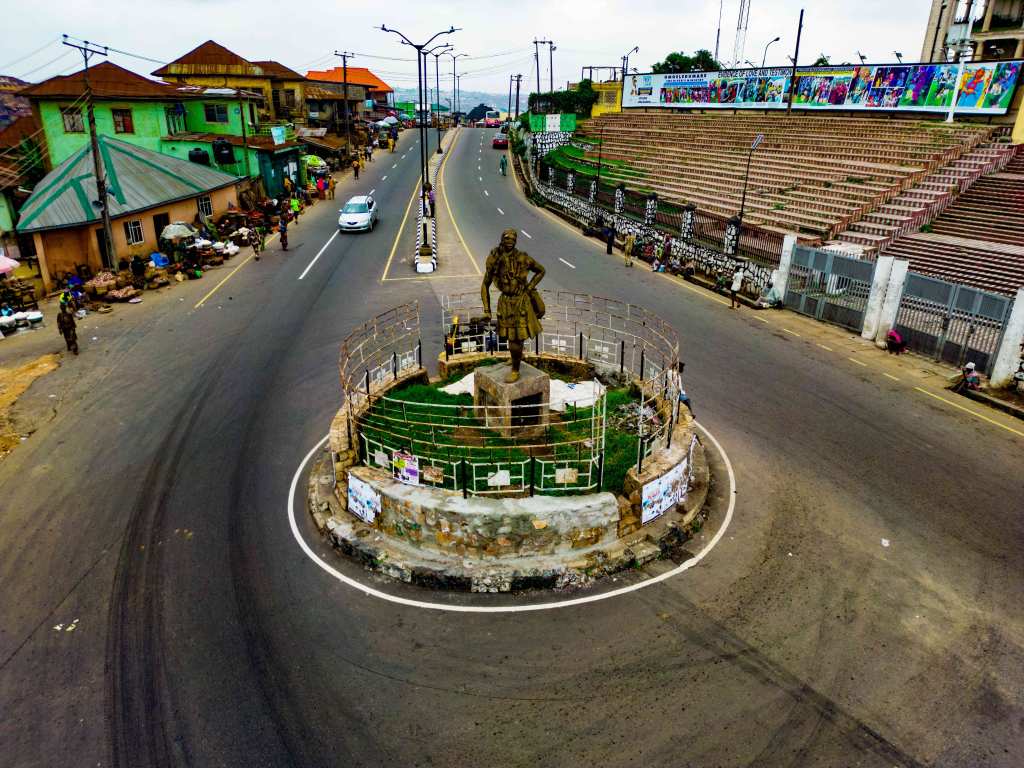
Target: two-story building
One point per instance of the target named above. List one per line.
(200, 123)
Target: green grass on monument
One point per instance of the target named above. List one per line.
(437, 426)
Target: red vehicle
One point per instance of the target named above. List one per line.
(500, 141)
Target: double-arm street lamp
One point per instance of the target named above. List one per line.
(625, 62)
(455, 100)
(420, 47)
(437, 53)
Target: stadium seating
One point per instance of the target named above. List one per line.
(978, 239)
(815, 175)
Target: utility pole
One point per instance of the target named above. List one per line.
(88, 51)
(345, 56)
(519, 79)
(510, 79)
(536, 57)
(796, 55)
(718, 34)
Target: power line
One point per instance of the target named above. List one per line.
(63, 55)
(43, 47)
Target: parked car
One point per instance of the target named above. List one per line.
(500, 141)
(359, 213)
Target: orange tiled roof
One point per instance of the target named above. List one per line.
(356, 76)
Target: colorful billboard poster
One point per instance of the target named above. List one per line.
(985, 88)
(363, 499)
(406, 468)
(659, 495)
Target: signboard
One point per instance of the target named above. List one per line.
(432, 474)
(661, 494)
(277, 133)
(363, 499)
(567, 475)
(405, 467)
(552, 123)
(985, 88)
(368, 103)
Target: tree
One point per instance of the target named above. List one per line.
(578, 102)
(478, 112)
(674, 63)
(821, 61)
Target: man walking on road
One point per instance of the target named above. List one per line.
(502, 165)
(737, 286)
(282, 228)
(355, 166)
(627, 248)
(66, 328)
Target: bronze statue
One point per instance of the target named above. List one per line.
(520, 307)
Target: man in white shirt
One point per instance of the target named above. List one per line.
(737, 285)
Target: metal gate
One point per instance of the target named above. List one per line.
(952, 322)
(828, 286)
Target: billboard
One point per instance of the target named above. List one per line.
(985, 88)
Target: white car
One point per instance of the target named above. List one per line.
(359, 213)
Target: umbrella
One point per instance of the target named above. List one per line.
(7, 265)
(176, 230)
(390, 120)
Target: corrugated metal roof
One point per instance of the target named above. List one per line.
(137, 179)
(210, 58)
(278, 71)
(356, 76)
(108, 81)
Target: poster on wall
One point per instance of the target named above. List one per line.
(363, 499)
(984, 88)
(662, 493)
(406, 468)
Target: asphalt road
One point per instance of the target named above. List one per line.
(153, 511)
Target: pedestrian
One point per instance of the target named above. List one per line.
(627, 248)
(503, 165)
(66, 328)
(282, 228)
(659, 250)
(675, 378)
(259, 242)
(369, 153)
(430, 197)
(969, 378)
(296, 207)
(391, 144)
(331, 183)
(609, 237)
(737, 285)
(894, 342)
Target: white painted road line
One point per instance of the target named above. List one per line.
(383, 178)
(487, 193)
(570, 266)
(394, 166)
(526, 233)
(373, 190)
(329, 241)
(501, 212)
(480, 179)
(371, 592)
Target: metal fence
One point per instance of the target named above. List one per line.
(952, 322)
(828, 286)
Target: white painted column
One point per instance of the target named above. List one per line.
(780, 277)
(1008, 355)
(891, 304)
(879, 284)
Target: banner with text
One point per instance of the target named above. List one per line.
(985, 88)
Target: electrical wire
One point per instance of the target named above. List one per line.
(63, 55)
(41, 48)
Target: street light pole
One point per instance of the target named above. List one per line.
(765, 57)
(625, 63)
(455, 98)
(419, 81)
(345, 56)
(438, 53)
(750, 155)
(551, 66)
(796, 55)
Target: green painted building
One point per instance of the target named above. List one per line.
(190, 122)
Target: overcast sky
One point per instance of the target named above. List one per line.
(304, 35)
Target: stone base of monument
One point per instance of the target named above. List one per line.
(513, 409)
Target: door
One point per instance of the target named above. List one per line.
(160, 221)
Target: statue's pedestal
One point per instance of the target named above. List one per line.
(518, 409)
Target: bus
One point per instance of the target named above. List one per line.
(492, 119)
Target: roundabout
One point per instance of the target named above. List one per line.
(572, 460)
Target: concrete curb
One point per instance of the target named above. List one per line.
(665, 537)
(994, 402)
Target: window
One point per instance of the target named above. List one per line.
(289, 99)
(72, 117)
(123, 121)
(133, 232)
(175, 120)
(216, 113)
(205, 205)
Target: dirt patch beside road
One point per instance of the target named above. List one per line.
(13, 383)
